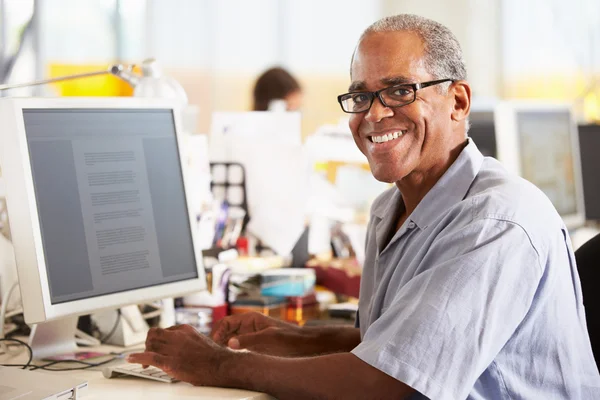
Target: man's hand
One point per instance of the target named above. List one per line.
(184, 354)
(261, 334)
(258, 333)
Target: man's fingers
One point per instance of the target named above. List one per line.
(234, 343)
(247, 341)
(224, 330)
(149, 358)
(156, 346)
(178, 328)
(173, 328)
(155, 333)
(150, 340)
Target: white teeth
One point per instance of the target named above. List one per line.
(388, 137)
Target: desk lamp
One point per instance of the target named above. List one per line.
(151, 83)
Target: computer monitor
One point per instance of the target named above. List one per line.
(483, 130)
(268, 145)
(589, 145)
(539, 142)
(274, 126)
(97, 200)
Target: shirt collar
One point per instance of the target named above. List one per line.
(449, 189)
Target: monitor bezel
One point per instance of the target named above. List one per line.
(24, 219)
(509, 151)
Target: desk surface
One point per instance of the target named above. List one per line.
(133, 388)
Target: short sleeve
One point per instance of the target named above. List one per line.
(445, 326)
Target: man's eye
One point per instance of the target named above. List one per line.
(360, 98)
(401, 92)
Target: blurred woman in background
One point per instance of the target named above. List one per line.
(276, 84)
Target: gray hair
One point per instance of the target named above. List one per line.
(443, 54)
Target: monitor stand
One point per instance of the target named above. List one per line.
(61, 336)
(57, 337)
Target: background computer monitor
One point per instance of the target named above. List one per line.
(96, 196)
(539, 142)
(273, 126)
(268, 145)
(589, 145)
(483, 130)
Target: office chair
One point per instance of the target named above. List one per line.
(588, 266)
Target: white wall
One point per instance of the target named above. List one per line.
(248, 36)
(476, 24)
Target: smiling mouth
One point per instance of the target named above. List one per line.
(387, 137)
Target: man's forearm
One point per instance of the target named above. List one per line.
(339, 376)
(329, 339)
(302, 342)
(288, 340)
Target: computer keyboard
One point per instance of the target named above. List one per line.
(137, 370)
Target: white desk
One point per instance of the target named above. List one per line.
(133, 388)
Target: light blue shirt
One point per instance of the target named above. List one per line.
(477, 295)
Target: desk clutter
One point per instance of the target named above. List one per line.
(267, 286)
(228, 186)
(244, 274)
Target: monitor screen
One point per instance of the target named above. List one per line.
(483, 132)
(589, 148)
(110, 200)
(547, 156)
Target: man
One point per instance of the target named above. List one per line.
(469, 287)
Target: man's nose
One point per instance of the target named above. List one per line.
(378, 111)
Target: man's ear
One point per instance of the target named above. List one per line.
(461, 92)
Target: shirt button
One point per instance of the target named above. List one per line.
(411, 225)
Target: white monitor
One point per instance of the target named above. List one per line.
(268, 145)
(539, 142)
(97, 199)
(275, 126)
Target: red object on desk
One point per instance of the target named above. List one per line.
(302, 308)
(242, 246)
(219, 312)
(341, 276)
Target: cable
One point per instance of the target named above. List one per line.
(114, 329)
(44, 367)
(3, 308)
(87, 365)
(24, 366)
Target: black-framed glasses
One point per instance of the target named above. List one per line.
(393, 96)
